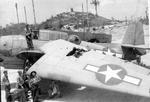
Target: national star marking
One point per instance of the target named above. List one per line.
(110, 73)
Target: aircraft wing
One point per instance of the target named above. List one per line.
(136, 46)
(91, 68)
(25, 54)
(93, 46)
(116, 48)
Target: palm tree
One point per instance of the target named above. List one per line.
(95, 3)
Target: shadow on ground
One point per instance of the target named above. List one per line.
(71, 94)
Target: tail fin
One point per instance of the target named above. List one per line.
(134, 34)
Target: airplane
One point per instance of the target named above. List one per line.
(63, 60)
(133, 38)
(11, 45)
(68, 62)
(132, 46)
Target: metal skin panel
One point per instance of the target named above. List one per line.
(91, 69)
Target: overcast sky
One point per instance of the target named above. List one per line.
(46, 8)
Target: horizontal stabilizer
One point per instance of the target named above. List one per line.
(136, 46)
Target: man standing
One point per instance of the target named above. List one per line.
(29, 37)
(6, 84)
(26, 85)
(34, 79)
(20, 80)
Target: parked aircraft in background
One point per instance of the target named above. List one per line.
(133, 38)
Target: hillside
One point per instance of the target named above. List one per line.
(79, 19)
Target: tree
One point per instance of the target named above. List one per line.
(95, 3)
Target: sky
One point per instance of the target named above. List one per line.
(44, 9)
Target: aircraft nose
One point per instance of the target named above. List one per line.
(1, 44)
(3, 47)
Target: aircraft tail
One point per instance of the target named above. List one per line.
(134, 34)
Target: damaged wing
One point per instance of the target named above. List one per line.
(91, 68)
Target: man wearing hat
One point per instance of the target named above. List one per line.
(20, 80)
(6, 84)
(29, 37)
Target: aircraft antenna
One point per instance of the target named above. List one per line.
(16, 5)
(83, 17)
(87, 8)
(147, 23)
(34, 12)
(83, 20)
(25, 14)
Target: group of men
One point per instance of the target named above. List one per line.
(53, 86)
(25, 83)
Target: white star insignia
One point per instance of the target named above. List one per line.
(109, 73)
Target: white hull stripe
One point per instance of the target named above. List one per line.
(92, 68)
(132, 80)
(127, 78)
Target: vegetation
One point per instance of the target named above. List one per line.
(12, 29)
(75, 18)
(79, 19)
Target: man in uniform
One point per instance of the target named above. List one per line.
(26, 85)
(34, 79)
(29, 37)
(20, 80)
(6, 84)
